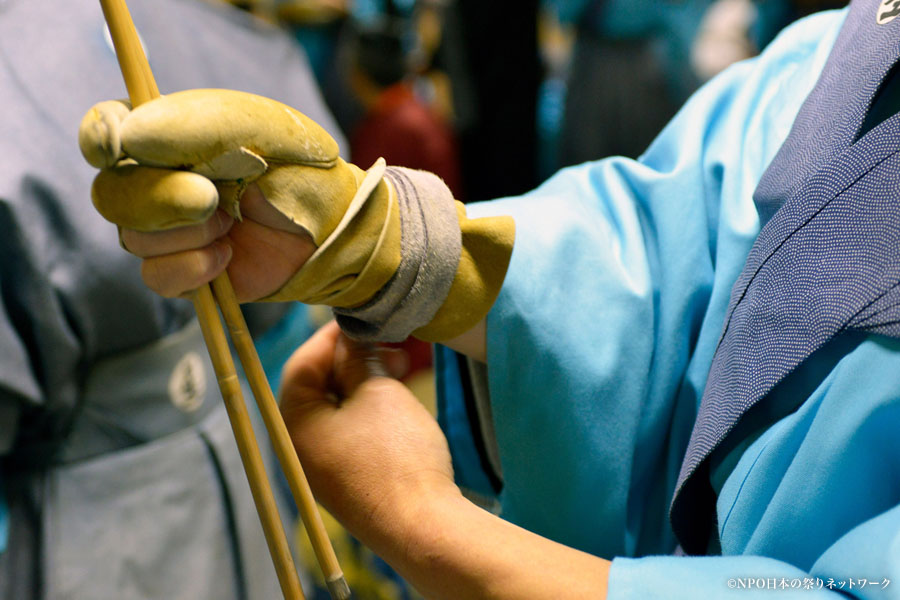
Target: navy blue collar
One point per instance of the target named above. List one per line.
(827, 260)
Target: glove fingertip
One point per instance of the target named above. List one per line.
(99, 136)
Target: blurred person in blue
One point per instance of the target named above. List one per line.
(641, 46)
(733, 30)
(670, 377)
(120, 474)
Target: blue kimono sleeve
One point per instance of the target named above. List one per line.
(864, 564)
(601, 338)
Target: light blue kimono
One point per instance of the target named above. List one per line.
(599, 347)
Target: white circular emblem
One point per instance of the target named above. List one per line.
(888, 11)
(187, 384)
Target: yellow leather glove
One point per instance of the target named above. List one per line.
(173, 160)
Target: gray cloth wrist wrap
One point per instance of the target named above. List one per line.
(430, 245)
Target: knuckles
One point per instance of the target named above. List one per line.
(174, 275)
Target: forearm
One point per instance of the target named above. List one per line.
(472, 343)
(449, 548)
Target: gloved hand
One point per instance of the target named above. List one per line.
(391, 264)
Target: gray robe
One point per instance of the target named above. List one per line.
(119, 467)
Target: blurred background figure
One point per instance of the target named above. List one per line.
(617, 70)
(732, 30)
(527, 88)
(376, 64)
(397, 124)
(725, 36)
(629, 72)
(475, 64)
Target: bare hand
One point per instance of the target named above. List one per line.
(370, 449)
(261, 252)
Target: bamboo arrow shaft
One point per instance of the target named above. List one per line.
(281, 441)
(139, 80)
(230, 387)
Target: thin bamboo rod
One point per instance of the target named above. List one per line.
(141, 87)
(230, 387)
(281, 441)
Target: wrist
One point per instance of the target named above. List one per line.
(448, 548)
(424, 540)
(410, 522)
(439, 548)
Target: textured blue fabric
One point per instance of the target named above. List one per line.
(827, 262)
(454, 421)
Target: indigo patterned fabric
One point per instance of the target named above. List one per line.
(827, 262)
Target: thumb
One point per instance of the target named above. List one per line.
(310, 365)
(99, 135)
(307, 380)
(330, 367)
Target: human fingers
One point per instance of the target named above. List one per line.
(396, 361)
(329, 367)
(147, 244)
(311, 364)
(176, 275)
(264, 258)
(367, 445)
(307, 378)
(355, 363)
